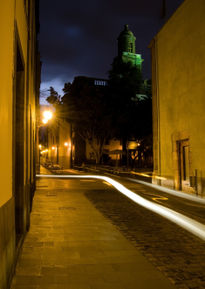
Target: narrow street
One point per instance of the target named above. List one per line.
(85, 234)
(174, 251)
(101, 114)
(194, 209)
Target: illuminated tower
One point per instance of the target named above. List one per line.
(126, 48)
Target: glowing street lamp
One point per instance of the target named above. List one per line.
(47, 115)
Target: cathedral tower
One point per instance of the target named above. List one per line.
(126, 48)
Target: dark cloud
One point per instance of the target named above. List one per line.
(80, 37)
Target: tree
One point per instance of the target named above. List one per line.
(132, 98)
(55, 100)
(120, 110)
(125, 82)
(54, 97)
(87, 108)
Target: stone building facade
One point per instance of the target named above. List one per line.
(59, 145)
(178, 81)
(20, 78)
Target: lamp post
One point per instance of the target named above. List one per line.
(47, 115)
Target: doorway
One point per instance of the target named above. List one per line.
(18, 143)
(183, 163)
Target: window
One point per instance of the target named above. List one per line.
(100, 82)
(130, 49)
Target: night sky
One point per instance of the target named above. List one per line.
(80, 37)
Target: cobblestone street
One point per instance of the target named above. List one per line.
(174, 251)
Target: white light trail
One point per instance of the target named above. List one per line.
(170, 191)
(187, 223)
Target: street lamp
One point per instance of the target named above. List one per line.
(47, 115)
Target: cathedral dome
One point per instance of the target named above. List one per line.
(126, 32)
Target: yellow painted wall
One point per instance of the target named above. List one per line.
(15, 197)
(6, 72)
(65, 145)
(59, 143)
(13, 22)
(113, 145)
(181, 83)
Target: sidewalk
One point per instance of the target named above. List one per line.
(71, 245)
(45, 171)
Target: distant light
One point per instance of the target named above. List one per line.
(40, 146)
(44, 121)
(44, 151)
(133, 145)
(65, 144)
(53, 148)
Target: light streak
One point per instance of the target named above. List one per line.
(160, 178)
(160, 198)
(187, 223)
(170, 191)
(146, 175)
(141, 174)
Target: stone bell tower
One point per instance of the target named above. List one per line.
(126, 48)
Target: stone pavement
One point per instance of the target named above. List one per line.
(44, 171)
(174, 251)
(72, 245)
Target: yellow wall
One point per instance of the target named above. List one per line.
(13, 26)
(180, 79)
(113, 145)
(6, 72)
(65, 145)
(16, 149)
(59, 134)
